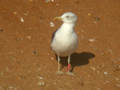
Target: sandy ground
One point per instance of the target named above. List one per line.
(27, 62)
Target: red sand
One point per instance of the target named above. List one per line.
(27, 62)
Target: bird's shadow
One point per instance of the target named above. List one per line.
(77, 59)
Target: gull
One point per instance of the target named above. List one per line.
(64, 40)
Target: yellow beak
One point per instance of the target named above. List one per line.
(58, 18)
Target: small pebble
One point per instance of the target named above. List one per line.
(35, 52)
(41, 83)
(1, 88)
(15, 13)
(91, 40)
(97, 18)
(7, 69)
(82, 30)
(117, 79)
(11, 88)
(31, 0)
(26, 13)
(39, 77)
(29, 37)
(19, 39)
(21, 19)
(21, 51)
(117, 67)
(106, 82)
(55, 83)
(101, 66)
(1, 30)
(52, 0)
(93, 68)
(89, 14)
(1, 74)
(110, 51)
(57, 4)
(82, 37)
(82, 83)
(105, 73)
(39, 69)
(52, 24)
(89, 76)
(52, 58)
(98, 89)
(49, 1)
(98, 72)
(118, 85)
(48, 54)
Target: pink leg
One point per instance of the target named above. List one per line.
(69, 67)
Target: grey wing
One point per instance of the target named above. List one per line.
(53, 35)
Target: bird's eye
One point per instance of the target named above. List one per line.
(67, 16)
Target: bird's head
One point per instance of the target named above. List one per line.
(67, 17)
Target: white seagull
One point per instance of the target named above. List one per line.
(64, 41)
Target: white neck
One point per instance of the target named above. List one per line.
(67, 27)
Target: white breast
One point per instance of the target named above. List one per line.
(64, 43)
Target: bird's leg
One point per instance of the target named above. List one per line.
(58, 63)
(69, 66)
(59, 66)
